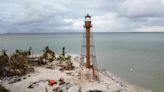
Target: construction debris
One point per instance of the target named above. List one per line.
(36, 83)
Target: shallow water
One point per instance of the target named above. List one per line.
(136, 57)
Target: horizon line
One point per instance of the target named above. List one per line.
(70, 32)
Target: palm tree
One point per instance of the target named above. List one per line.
(62, 55)
(63, 51)
(48, 54)
(19, 61)
(13, 62)
(30, 51)
(4, 60)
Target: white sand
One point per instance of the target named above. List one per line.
(108, 82)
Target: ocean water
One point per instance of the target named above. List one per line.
(136, 57)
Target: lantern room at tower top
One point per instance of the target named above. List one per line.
(88, 21)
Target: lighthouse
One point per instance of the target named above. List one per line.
(88, 26)
(88, 55)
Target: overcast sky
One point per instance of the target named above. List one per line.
(27, 16)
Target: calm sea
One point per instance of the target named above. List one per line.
(135, 57)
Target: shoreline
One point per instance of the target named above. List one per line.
(108, 81)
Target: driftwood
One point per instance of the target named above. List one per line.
(36, 83)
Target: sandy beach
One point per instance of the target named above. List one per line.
(108, 82)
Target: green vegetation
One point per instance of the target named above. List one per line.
(4, 59)
(3, 89)
(48, 54)
(62, 56)
(19, 62)
(16, 64)
(4, 63)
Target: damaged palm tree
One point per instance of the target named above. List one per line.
(65, 61)
(18, 62)
(48, 55)
(62, 55)
(69, 64)
(30, 51)
(4, 60)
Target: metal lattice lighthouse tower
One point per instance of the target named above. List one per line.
(88, 26)
(88, 55)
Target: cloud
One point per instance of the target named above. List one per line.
(142, 8)
(33, 16)
(68, 15)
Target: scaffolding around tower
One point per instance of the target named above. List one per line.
(88, 53)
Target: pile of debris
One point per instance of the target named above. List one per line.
(60, 85)
(36, 83)
(66, 65)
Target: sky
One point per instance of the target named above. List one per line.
(46, 16)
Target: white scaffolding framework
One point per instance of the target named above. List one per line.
(92, 56)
